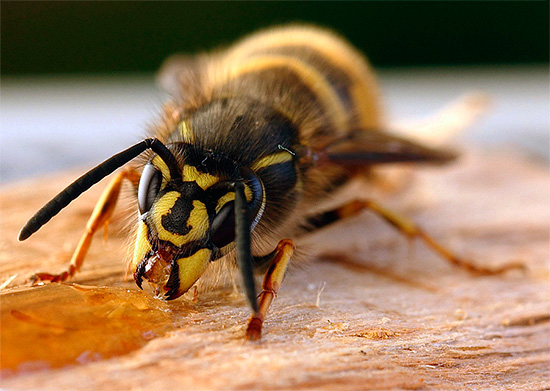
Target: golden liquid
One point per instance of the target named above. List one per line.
(55, 325)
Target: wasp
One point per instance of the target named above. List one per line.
(251, 141)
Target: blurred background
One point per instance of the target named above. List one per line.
(78, 77)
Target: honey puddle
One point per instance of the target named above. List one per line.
(55, 325)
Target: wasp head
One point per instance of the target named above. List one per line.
(187, 219)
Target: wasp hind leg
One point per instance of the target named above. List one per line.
(100, 217)
(409, 229)
(280, 259)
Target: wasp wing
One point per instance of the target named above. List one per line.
(363, 147)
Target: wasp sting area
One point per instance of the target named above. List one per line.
(365, 316)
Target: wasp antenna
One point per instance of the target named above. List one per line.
(90, 178)
(168, 157)
(244, 253)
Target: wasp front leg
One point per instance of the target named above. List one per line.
(100, 217)
(409, 229)
(272, 283)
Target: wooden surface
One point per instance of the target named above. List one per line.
(383, 320)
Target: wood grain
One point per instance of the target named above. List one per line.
(384, 321)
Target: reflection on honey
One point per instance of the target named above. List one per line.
(54, 325)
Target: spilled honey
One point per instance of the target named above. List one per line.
(55, 325)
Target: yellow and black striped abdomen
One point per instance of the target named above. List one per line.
(311, 76)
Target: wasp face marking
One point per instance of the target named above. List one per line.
(172, 249)
(178, 219)
(187, 271)
(185, 223)
(203, 179)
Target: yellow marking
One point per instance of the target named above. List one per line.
(186, 132)
(191, 268)
(142, 246)
(204, 180)
(230, 196)
(227, 197)
(248, 193)
(198, 220)
(314, 80)
(269, 160)
(159, 163)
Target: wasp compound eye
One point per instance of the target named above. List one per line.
(223, 226)
(149, 186)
